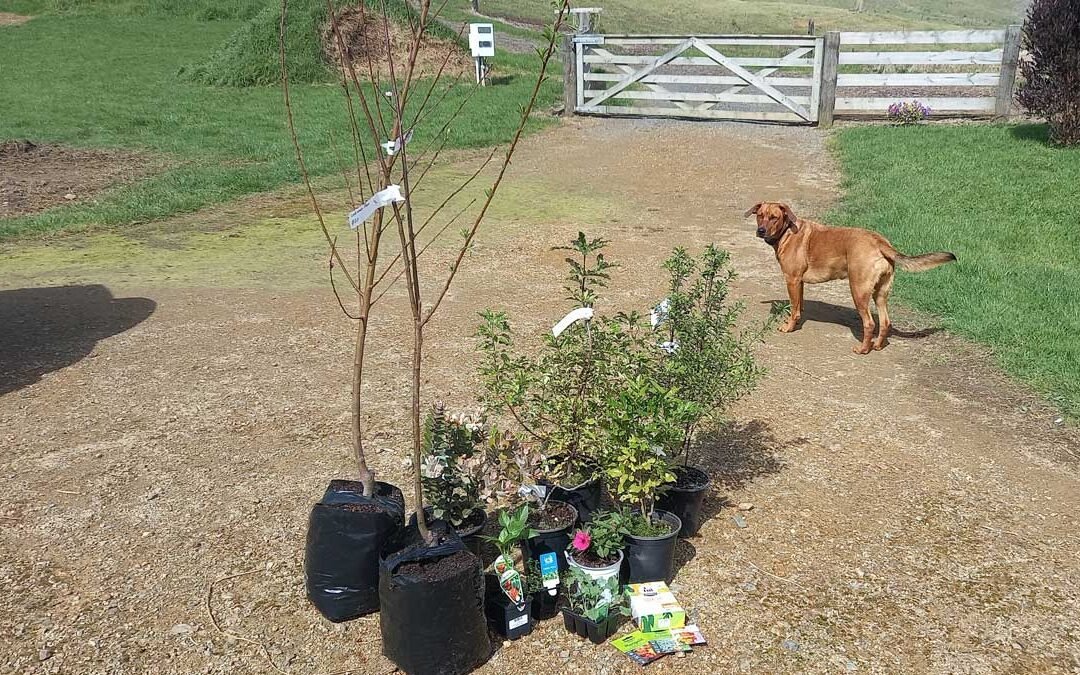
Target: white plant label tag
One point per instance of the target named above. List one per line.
(394, 147)
(390, 195)
(580, 314)
(518, 622)
(660, 313)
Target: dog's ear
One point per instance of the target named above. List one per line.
(789, 217)
(752, 211)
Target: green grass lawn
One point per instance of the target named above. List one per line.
(109, 79)
(1004, 202)
(742, 16)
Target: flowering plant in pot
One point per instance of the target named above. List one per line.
(508, 605)
(596, 550)
(594, 606)
(707, 360)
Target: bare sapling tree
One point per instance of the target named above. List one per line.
(387, 97)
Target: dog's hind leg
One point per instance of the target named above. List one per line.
(861, 295)
(881, 299)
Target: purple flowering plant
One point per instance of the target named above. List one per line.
(908, 112)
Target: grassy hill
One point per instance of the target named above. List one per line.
(737, 16)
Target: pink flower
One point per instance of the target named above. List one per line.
(582, 540)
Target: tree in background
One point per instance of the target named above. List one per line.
(1051, 67)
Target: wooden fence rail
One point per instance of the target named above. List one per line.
(804, 79)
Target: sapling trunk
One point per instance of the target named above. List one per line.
(367, 276)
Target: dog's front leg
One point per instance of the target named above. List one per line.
(795, 293)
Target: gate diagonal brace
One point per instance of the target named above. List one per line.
(750, 78)
(644, 72)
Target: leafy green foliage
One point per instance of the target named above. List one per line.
(590, 274)
(713, 364)
(1050, 69)
(607, 532)
(513, 527)
(644, 421)
(452, 492)
(592, 598)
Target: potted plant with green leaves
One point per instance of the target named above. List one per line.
(706, 358)
(544, 593)
(507, 602)
(453, 492)
(596, 549)
(555, 398)
(644, 422)
(594, 606)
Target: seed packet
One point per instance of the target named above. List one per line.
(638, 647)
(668, 644)
(689, 635)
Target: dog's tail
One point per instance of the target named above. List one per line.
(926, 261)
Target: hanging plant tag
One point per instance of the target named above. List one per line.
(390, 195)
(509, 579)
(660, 313)
(580, 314)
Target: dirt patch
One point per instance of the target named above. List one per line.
(914, 510)
(35, 177)
(365, 36)
(9, 19)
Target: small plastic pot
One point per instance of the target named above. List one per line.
(585, 498)
(548, 541)
(469, 533)
(687, 502)
(652, 558)
(510, 620)
(544, 605)
(597, 633)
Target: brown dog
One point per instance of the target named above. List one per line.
(812, 253)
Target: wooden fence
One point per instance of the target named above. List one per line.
(801, 79)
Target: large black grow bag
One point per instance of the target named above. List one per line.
(346, 532)
(686, 498)
(652, 558)
(432, 604)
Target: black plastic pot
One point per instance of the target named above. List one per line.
(346, 532)
(597, 633)
(585, 498)
(687, 502)
(506, 618)
(469, 533)
(549, 541)
(544, 605)
(652, 558)
(432, 604)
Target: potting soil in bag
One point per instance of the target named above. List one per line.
(432, 604)
(346, 532)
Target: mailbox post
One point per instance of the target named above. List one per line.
(482, 46)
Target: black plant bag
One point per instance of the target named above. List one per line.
(432, 626)
(341, 561)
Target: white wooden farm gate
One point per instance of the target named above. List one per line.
(740, 77)
(789, 78)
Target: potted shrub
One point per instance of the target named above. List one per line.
(508, 604)
(596, 550)
(556, 398)
(452, 491)
(551, 523)
(705, 359)
(645, 419)
(594, 607)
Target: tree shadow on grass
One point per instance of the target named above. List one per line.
(1031, 133)
(815, 311)
(46, 329)
(736, 455)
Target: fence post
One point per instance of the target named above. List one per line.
(1010, 58)
(830, 65)
(569, 75)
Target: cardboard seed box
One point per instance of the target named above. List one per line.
(654, 607)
